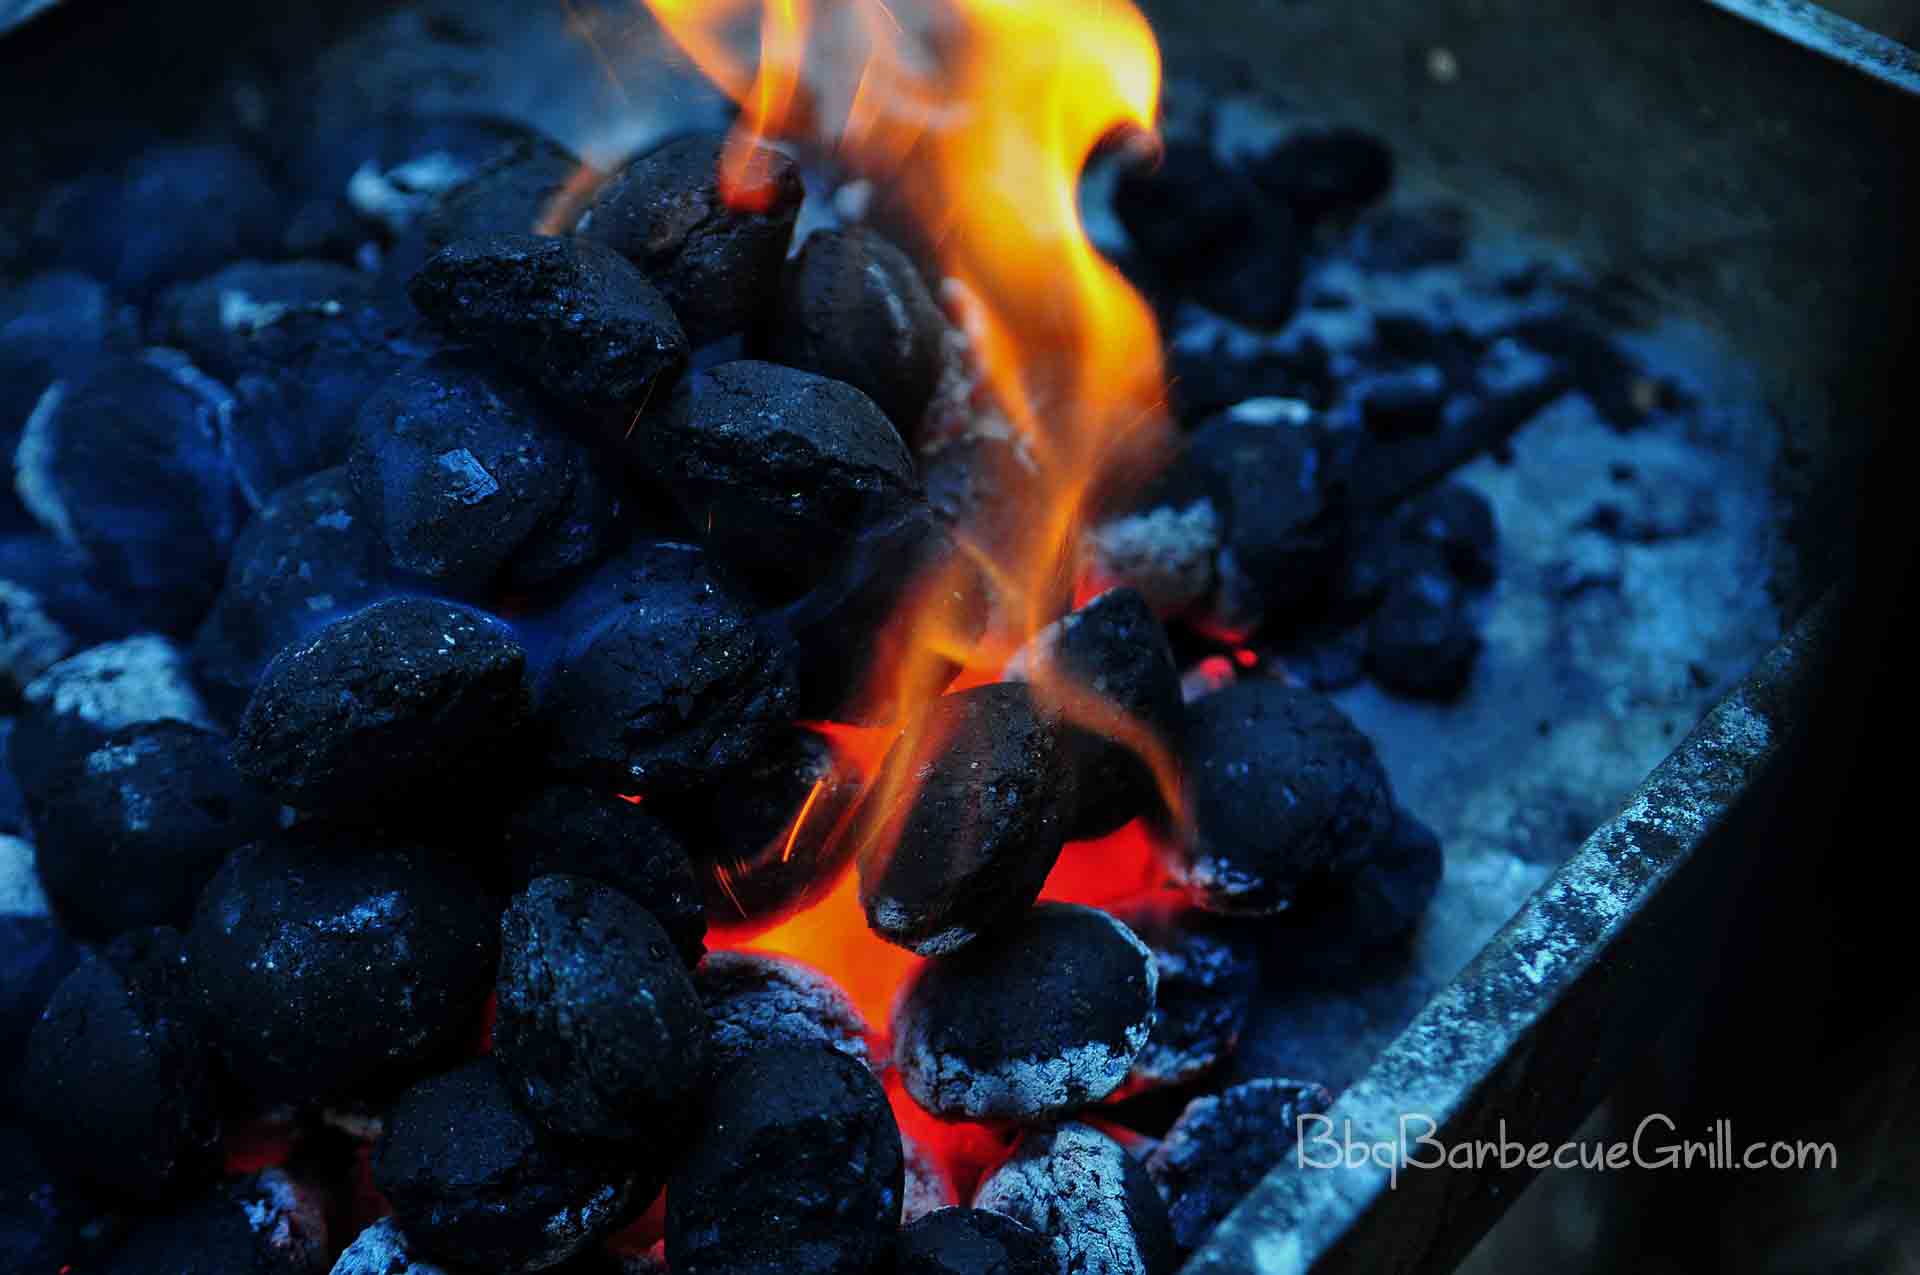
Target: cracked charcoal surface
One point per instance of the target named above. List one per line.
(1208, 972)
(966, 850)
(1033, 1022)
(574, 317)
(599, 1032)
(803, 1177)
(508, 194)
(326, 964)
(757, 1002)
(407, 692)
(1222, 1145)
(475, 1183)
(1096, 1204)
(383, 1249)
(972, 1242)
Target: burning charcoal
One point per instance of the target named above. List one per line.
(758, 454)
(40, 1219)
(1006, 1028)
(1376, 901)
(306, 557)
(973, 1242)
(1165, 553)
(1111, 660)
(474, 1182)
(1207, 974)
(802, 1177)
(510, 193)
(266, 1224)
(982, 485)
(131, 834)
(383, 1249)
(600, 1033)
(854, 307)
(584, 833)
(978, 793)
(760, 1002)
(719, 266)
(1423, 640)
(126, 465)
(54, 327)
(573, 316)
(470, 483)
(325, 964)
(1403, 401)
(1321, 170)
(35, 953)
(1458, 521)
(1222, 1145)
(1080, 1189)
(667, 680)
(406, 692)
(1281, 787)
(117, 1086)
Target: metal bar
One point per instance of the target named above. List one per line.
(1832, 36)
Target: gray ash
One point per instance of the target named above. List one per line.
(1092, 1200)
(756, 1002)
(1225, 1143)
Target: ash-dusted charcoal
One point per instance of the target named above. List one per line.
(130, 835)
(1281, 787)
(127, 466)
(1458, 521)
(977, 796)
(1223, 1144)
(54, 326)
(667, 679)
(757, 454)
(972, 1242)
(269, 1223)
(1423, 640)
(305, 557)
(599, 1031)
(755, 1001)
(718, 265)
(40, 1215)
(1036, 1021)
(69, 710)
(1111, 665)
(855, 308)
(325, 963)
(407, 692)
(1322, 170)
(1207, 973)
(1166, 552)
(470, 482)
(511, 193)
(582, 832)
(801, 1176)
(573, 316)
(384, 1249)
(475, 1183)
(1081, 1189)
(117, 1085)
(1374, 902)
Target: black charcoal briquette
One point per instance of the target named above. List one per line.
(1223, 1144)
(1207, 974)
(972, 1242)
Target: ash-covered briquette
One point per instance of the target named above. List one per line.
(269, 1223)
(576, 318)
(54, 326)
(1223, 1144)
(405, 693)
(1040, 1019)
(979, 791)
(800, 1175)
(1281, 787)
(717, 265)
(127, 466)
(755, 1001)
(1373, 902)
(667, 681)
(1207, 973)
(117, 1084)
(128, 837)
(470, 482)
(599, 1032)
(41, 1216)
(1167, 552)
(854, 307)
(326, 964)
(1322, 170)
(580, 831)
(384, 1249)
(1112, 660)
(1081, 1189)
(305, 557)
(475, 1183)
(972, 1242)
(1423, 641)
(511, 193)
(757, 454)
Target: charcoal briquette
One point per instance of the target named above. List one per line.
(510, 193)
(1458, 521)
(1207, 972)
(1322, 170)
(1167, 553)
(384, 1249)
(1223, 1144)
(53, 327)
(972, 1242)
(756, 1001)
(1373, 902)
(268, 1223)
(1423, 640)
(1093, 1201)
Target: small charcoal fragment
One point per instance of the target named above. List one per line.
(1207, 973)
(1081, 1189)
(1376, 901)
(973, 1242)
(383, 1249)
(1006, 1029)
(510, 193)
(1324, 170)
(1281, 787)
(475, 1183)
(1423, 640)
(408, 692)
(854, 307)
(575, 317)
(40, 1216)
(470, 482)
(978, 791)
(1222, 1145)
(130, 835)
(716, 260)
(756, 1002)
(585, 833)
(265, 1224)
(1458, 521)
(599, 1033)
(325, 964)
(803, 1175)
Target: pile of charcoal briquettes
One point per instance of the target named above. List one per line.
(410, 627)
